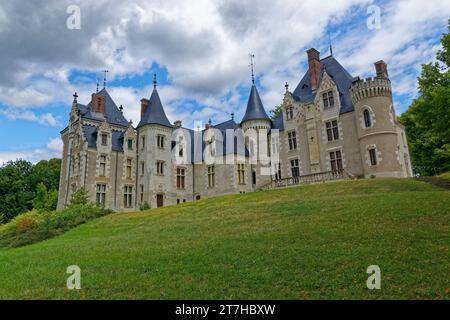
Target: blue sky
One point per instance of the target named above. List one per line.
(199, 52)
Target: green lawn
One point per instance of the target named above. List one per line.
(309, 242)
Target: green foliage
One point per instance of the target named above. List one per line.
(19, 181)
(45, 200)
(145, 206)
(79, 197)
(427, 120)
(275, 112)
(35, 226)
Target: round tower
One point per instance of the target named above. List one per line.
(376, 126)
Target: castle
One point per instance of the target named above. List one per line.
(332, 123)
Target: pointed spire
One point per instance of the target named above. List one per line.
(154, 112)
(252, 65)
(104, 78)
(255, 109)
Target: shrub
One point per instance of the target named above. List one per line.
(35, 226)
(145, 206)
(79, 197)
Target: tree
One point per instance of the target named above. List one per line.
(275, 112)
(79, 197)
(45, 200)
(427, 120)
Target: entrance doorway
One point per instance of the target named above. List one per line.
(159, 200)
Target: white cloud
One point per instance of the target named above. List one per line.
(44, 119)
(55, 144)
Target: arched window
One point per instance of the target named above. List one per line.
(367, 119)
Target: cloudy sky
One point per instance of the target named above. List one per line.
(199, 49)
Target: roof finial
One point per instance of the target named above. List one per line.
(209, 121)
(97, 86)
(286, 85)
(154, 81)
(252, 65)
(121, 108)
(75, 96)
(232, 116)
(104, 78)
(331, 44)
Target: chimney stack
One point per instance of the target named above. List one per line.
(98, 103)
(381, 69)
(314, 67)
(177, 124)
(144, 105)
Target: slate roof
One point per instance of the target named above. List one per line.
(278, 123)
(155, 112)
(341, 77)
(255, 109)
(112, 113)
(91, 133)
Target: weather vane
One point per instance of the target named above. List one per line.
(104, 78)
(252, 65)
(154, 80)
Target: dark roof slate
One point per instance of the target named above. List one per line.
(112, 113)
(255, 109)
(341, 77)
(155, 112)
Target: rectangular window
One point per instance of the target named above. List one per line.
(128, 168)
(241, 173)
(292, 139)
(295, 169)
(328, 99)
(130, 144)
(278, 171)
(160, 141)
(143, 143)
(181, 175)
(104, 139)
(128, 196)
(142, 168)
(336, 161)
(289, 113)
(160, 168)
(142, 193)
(332, 130)
(102, 167)
(211, 177)
(373, 157)
(100, 195)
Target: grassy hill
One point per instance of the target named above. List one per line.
(310, 242)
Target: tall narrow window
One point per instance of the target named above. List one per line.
(336, 161)
(328, 99)
(143, 143)
(211, 177)
(100, 195)
(367, 119)
(102, 167)
(142, 193)
(292, 139)
(104, 139)
(128, 168)
(289, 113)
(332, 130)
(142, 168)
(160, 141)
(128, 196)
(181, 175)
(160, 168)
(295, 169)
(241, 173)
(278, 171)
(130, 144)
(373, 157)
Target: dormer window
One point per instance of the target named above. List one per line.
(290, 113)
(104, 139)
(328, 99)
(130, 144)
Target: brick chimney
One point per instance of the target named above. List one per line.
(381, 69)
(177, 124)
(314, 67)
(98, 103)
(144, 105)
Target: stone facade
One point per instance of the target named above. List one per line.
(330, 122)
